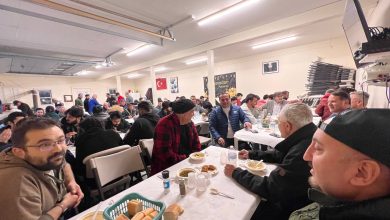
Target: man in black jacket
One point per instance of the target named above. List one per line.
(285, 189)
(117, 123)
(143, 127)
(350, 160)
(25, 108)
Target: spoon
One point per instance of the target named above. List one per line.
(214, 191)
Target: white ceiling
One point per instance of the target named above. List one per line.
(34, 40)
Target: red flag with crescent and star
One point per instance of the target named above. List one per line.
(161, 83)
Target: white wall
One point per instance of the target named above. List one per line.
(293, 67)
(15, 84)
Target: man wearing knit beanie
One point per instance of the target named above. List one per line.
(350, 160)
(175, 136)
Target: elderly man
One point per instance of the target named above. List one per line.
(175, 136)
(37, 183)
(276, 105)
(249, 107)
(225, 120)
(285, 189)
(339, 103)
(359, 99)
(350, 160)
(92, 102)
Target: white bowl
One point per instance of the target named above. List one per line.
(188, 170)
(255, 166)
(197, 156)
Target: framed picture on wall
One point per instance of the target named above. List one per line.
(68, 98)
(271, 67)
(174, 84)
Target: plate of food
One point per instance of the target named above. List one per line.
(256, 166)
(197, 156)
(211, 169)
(183, 173)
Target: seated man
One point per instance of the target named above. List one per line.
(6, 130)
(248, 106)
(37, 183)
(359, 99)
(285, 189)
(93, 139)
(143, 127)
(350, 160)
(117, 123)
(225, 120)
(50, 113)
(99, 114)
(175, 136)
(70, 122)
(39, 112)
(338, 103)
(274, 106)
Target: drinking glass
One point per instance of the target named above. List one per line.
(201, 182)
(191, 182)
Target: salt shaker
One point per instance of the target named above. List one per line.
(166, 181)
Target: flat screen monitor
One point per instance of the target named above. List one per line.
(355, 28)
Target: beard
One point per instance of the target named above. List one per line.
(49, 165)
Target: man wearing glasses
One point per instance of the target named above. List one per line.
(36, 181)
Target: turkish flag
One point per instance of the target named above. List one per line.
(161, 83)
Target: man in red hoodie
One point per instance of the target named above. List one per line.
(322, 108)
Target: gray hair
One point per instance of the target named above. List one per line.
(364, 96)
(298, 114)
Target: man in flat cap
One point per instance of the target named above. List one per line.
(175, 136)
(350, 160)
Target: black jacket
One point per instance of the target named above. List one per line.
(143, 128)
(285, 189)
(25, 108)
(92, 141)
(86, 105)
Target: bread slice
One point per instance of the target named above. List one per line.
(133, 207)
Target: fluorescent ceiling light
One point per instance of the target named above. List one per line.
(160, 69)
(134, 75)
(59, 69)
(273, 42)
(233, 8)
(82, 73)
(138, 50)
(194, 61)
(98, 66)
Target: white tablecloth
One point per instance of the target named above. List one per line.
(262, 137)
(198, 205)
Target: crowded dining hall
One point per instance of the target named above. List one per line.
(186, 110)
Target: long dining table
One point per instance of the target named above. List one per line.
(197, 204)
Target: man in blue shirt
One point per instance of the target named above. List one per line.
(225, 121)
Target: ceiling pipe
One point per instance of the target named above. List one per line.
(116, 13)
(75, 24)
(74, 11)
(10, 55)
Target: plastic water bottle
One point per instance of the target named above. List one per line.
(166, 181)
(272, 126)
(232, 156)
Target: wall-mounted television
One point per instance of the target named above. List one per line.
(358, 33)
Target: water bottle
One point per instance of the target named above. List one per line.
(166, 181)
(232, 156)
(272, 126)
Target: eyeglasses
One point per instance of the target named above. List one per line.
(49, 145)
